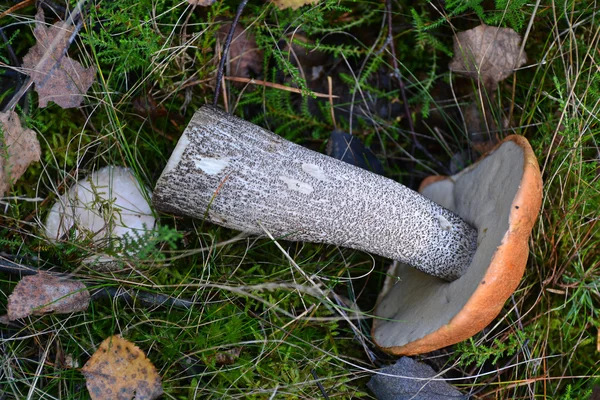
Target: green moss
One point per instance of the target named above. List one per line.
(250, 303)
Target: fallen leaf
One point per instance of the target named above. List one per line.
(488, 54)
(118, 370)
(293, 4)
(245, 58)
(57, 77)
(44, 293)
(19, 147)
(227, 357)
(201, 3)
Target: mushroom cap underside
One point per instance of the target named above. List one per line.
(500, 196)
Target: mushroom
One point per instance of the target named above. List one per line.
(240, 176)
(243, 177)
(500, 195)
(109, 205)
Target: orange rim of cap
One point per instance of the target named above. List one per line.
(505, 270)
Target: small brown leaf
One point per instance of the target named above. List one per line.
(293, 4)
(488, 54)
(118, 370)
(19, 147)
(227, 357)
(245, 58)
(44, 293)
(57, 77)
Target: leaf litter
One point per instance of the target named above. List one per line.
(44, 293)
(19, 147)
(488, 55)
(57, 77)
(118, 370)
(245, 58)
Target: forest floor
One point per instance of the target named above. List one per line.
(225, 315)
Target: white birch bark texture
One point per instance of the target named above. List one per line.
(240, 176)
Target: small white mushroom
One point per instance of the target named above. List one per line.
(107, 205)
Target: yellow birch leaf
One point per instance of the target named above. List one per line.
(119, 370)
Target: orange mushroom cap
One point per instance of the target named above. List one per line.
(500, 195)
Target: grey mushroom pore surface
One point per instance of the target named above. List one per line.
(416, 304)
(238, 175)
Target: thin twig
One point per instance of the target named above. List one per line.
(398, 76)
(145, 298)
(319, 384)
(275, 86)
(390, 42)
(226, 51)
(148, 299)
(14, 268)
(16, 7)
(330, 95)
(357, 86)
(521, 50)
(11, 53)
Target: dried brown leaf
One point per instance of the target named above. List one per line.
(19, 147)
(227, 357)
(57, 77)
(245, 58)
(44, 293)
(293, 4)
(488, 54)
(118, 370)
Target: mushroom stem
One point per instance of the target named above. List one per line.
(240, 176)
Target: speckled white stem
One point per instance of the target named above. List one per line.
(238, 175)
